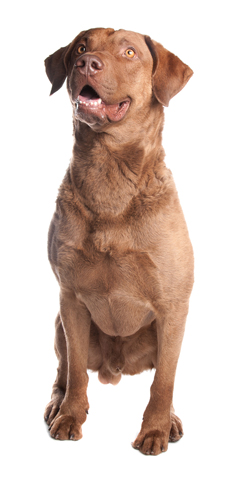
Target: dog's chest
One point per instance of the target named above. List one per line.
(121, 291)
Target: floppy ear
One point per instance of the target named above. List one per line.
(56, 69)
(170, 74)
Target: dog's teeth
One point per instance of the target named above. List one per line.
(99, 101)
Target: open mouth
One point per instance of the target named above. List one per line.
(89, 102)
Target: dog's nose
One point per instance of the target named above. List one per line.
(89, 65)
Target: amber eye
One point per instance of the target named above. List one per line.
(129, 53)
(81, 49)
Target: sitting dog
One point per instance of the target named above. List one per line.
(118, 242)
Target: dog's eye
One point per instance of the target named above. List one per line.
(129, 53)
(81, 49)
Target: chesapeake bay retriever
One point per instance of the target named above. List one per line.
(118, 242)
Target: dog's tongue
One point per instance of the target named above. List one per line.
(89, 95)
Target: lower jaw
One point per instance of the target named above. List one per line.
(102, 113)
(91, 118)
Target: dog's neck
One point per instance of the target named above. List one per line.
(107, 173)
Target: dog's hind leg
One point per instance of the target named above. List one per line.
(59, 387)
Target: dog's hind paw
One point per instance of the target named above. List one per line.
(53, 407)
(176, 431)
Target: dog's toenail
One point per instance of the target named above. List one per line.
(87, 412)
(72, 436)
(57, 436)
(135, 445)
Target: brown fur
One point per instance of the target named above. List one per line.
(118, 242)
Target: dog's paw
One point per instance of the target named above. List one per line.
(154, 441)
(66, 427)
(176, 431)
(151, 443)
(53, 408)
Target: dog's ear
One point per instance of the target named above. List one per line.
(169, 75)
(56, 68)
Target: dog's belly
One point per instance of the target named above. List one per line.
(120, 293)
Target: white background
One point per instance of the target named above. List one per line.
(206, 139)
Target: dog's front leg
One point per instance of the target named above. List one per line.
(160, 424)
(72, 414)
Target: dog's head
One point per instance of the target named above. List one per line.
(112, 74)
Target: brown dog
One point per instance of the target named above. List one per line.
(118, 242)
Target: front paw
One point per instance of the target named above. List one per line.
(66, 427)
(154, 440)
